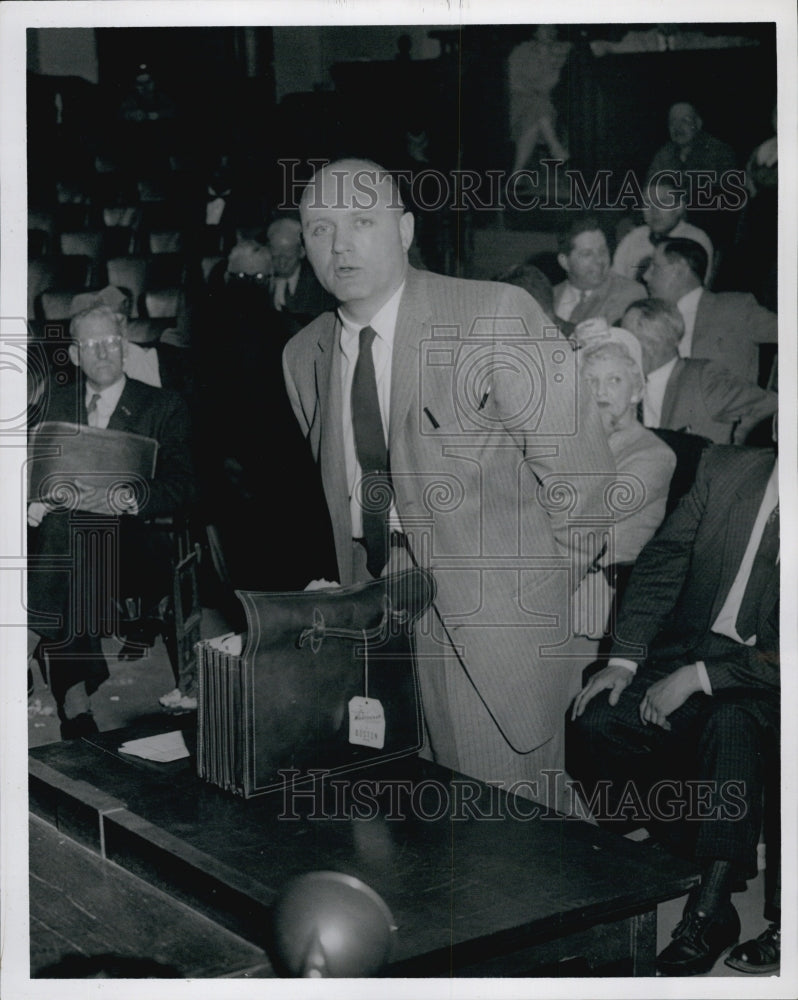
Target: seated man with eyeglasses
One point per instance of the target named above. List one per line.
(68, 581)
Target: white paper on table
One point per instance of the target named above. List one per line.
(230, 642)
(162, 748)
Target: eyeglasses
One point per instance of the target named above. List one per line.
(260, 278)
(111, 343)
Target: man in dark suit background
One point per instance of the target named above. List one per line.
(693, 684)
(295, 291)
(468, 451)
(103, 397)
(726, 327)
(691, 394)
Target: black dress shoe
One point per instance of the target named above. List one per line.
(81, 725)
(759, 956)
(698, 940)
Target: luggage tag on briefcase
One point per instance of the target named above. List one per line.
(366, 715)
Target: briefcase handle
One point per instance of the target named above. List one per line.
(319, 631)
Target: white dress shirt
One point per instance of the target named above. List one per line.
(571, 297)
(688, 307)
(654, 393)
(384, 325)
(106, 404)
(726, 622)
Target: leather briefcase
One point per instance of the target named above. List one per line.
(324, 680)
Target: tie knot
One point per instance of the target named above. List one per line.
(367, 335)
(95, 399)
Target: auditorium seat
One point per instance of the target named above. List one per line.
(88, 243)
(127, 216)
(41, 218)
(162, 303)
(130, 273)
(165, 241)
(55, 305)
(55, 272)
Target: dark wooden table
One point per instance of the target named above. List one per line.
(479, 883)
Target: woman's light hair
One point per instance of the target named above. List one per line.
(611, 351)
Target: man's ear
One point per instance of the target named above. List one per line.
(74, 355)
(562, 260)
(407, 226)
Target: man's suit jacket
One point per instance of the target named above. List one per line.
(703, 398)
(155, 413)
(610, 301)
(682, 577)
(729, 326)
(495, 480)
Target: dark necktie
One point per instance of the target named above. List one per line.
(656, 238)
(372, 454)
(762, 570)
(91, 409)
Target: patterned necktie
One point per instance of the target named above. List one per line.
(372, 454)
(91, 410)
(762, 571)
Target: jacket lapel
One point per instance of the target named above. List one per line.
(327, 375)
(125, 416)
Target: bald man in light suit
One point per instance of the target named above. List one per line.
(495, 459)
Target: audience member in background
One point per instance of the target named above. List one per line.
(145, 102)
(106, 398)
(663, 213)
(591, 288)
(164, 366)
(690, 148)
(259, 481)
(296, 293)
(691, 394)
(690, 697)
(533, 280)
(699, 162)
(726, 327)
(611, 364)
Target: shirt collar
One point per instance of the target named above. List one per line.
(690, 300)
(661, 374)
(383, 322)
(109, 396)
